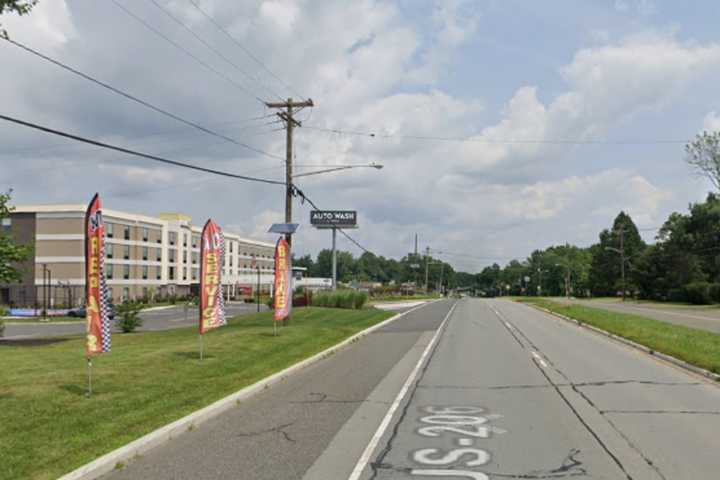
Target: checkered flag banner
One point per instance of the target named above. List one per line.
(97, 302)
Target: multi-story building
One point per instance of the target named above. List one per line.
(146, 257)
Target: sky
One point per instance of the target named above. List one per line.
(546, 118)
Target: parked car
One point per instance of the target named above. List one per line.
(80, 312)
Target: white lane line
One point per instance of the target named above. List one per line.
(465, 442)
(367, 453)
(539, 358)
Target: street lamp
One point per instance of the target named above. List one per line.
(336, 168)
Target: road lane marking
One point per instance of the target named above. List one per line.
(539, 358)
(367, 453)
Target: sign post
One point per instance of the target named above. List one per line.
(334, 220)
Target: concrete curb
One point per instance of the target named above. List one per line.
(161, 307)
(667, 358)
(109, 461)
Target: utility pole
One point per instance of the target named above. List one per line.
(427, 267)
(622, 260)
(290, 123)
(334, 258)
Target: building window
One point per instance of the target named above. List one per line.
(158, 273)
(171, 273)
(126, 252)
(126, 294)
(194, 257)
(109, 230)
(185, 239)
(172, 238)
(126, 232)
(109, 251)
(109, 271)
(172, 255)
(194, 273)
(158, 254)
(231, 246)
(126, 272)
(145, 272)
(184, 256)
(145, 234)
(231, 261)
(185, 273)
(195, 241)
(145, 252)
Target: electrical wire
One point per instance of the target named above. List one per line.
(136, 153)
(157, 32)
(213, 49)
(137, 100)
(493, 142)
(243, 48)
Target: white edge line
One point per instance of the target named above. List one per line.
(107, 462)
(370, 448)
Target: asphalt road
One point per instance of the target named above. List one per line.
(501, 391)
(160, 319)
(700, 318)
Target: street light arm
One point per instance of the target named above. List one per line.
(335, 169)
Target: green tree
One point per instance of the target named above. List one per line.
(21, 7)
(605, 270)
(10, 252)
(703, 154)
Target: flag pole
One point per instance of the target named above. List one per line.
(89, 370)
(201, 347)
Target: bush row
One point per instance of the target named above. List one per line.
(698, 293)
(349, 299)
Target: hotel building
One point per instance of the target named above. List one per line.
(146, 257)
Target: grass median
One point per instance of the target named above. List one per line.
(48, 427)
(697, 347)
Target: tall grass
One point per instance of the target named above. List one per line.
(349, 299)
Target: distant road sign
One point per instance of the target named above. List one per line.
(333, 218)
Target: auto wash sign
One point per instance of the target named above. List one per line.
(333, 218)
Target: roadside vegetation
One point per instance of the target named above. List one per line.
(48, 427)
(697, 347)
(348, 299)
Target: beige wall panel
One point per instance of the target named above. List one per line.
(59, 226)
(61, 271)
(59, 248)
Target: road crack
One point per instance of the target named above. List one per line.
(278, 429)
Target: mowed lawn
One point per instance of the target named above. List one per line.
(48, 427)
(697, 347)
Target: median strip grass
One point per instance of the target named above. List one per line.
(697, 347)
(48, 427)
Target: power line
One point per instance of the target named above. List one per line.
(136, 153)
(212, 49)
(494, 142)
(157, 32)
(137, 100)
(243, 48)
(142, 138)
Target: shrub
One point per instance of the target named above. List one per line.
(3, 312)
(360, 300)
(677, 295)
(698, 293)
(129, 317)
(715, 292)
(348, 299)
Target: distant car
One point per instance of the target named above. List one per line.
(80, 312)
